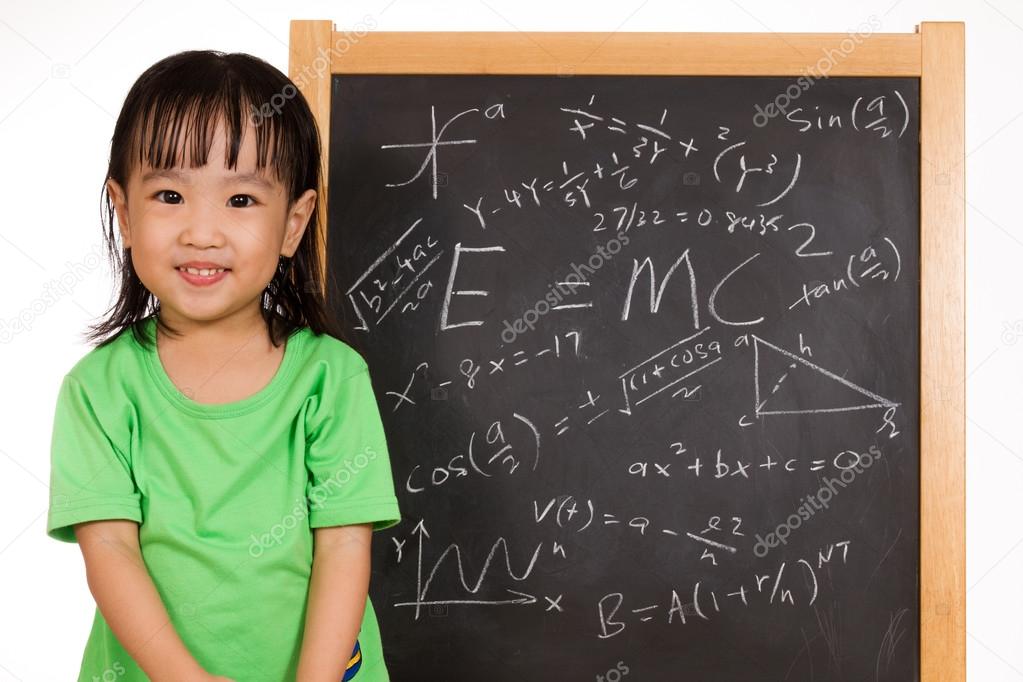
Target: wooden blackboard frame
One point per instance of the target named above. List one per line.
(935, 53)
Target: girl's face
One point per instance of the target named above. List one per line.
(210, 217)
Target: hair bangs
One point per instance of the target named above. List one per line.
(178, 126)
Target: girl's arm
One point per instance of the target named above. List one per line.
(337, 600)
(130, 604)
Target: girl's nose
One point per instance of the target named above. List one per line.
(204, 225)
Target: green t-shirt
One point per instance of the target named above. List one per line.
(225, 496)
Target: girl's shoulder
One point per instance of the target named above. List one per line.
(101, 388)
(332, 354)
(122, 355)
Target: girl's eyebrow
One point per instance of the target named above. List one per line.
(173, 174)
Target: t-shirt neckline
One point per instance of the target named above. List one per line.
(235, 408)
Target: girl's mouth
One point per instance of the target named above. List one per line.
(203, 276)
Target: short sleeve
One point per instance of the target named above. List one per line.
(90, 475)
(347, 458)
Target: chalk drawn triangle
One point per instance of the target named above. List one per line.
(771, 395)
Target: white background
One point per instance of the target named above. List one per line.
(66, 68)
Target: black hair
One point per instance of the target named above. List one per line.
(192, 91)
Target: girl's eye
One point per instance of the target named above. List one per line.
(243, 197)
(174, 197)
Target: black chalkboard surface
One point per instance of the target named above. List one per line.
(647, 353)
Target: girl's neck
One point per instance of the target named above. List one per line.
(219, 362)
(241, 329)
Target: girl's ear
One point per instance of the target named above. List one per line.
(120, 202)
(298, 217)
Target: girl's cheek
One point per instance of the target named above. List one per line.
(157, 212)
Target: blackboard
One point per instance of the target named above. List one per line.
(621, 329)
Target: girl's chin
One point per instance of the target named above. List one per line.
(205, 307)
(198, 308)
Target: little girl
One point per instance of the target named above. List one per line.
(219, 456)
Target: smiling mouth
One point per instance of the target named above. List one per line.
(203, 272)
(202, 277)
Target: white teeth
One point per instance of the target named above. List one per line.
(203, 272)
